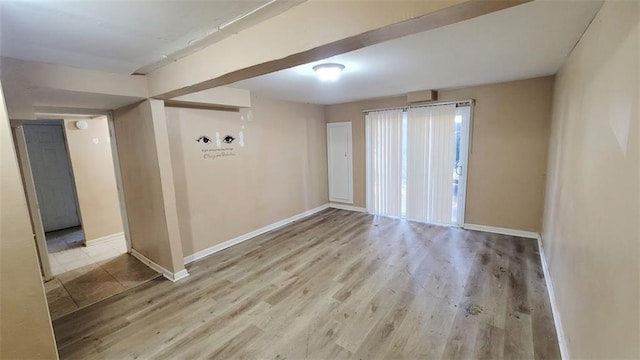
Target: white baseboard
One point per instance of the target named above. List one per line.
(219, 247)
(166, 273)
(104, 239)
(503, 231)
(564, 352)
(180, 275)
(347, 207)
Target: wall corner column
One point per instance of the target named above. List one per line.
(168, 187)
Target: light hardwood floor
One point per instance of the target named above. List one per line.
(338, 284)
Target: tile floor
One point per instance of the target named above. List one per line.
(87, 274)
(67, 251)
(96, 281)
(64, 239)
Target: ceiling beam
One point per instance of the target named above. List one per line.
(312, 31)
(52, 76)
(31, 85)
(200, 105)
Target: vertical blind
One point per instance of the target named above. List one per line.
(430, 157)
(384, 162)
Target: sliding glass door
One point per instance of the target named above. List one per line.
(416, 169)
(459, 177)
(384, 162)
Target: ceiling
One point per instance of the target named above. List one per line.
(45, 97)
(120, 36)
(524, 41)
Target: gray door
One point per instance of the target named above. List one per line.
(52, 176)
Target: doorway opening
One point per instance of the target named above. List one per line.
(71, 176)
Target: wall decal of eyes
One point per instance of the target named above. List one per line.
(205, 139)
(228, 139)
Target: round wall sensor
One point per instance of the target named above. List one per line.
(82, 124)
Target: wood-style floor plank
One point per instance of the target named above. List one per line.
(335, 285)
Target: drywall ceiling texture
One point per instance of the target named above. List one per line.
(505, 45)
(25, 323)
(113, 36)
(591, 237)
(94, 177)
(275, 167)
(507, 164)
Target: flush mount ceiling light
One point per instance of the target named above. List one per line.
(329, 71)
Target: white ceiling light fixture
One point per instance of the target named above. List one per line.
(328, 71)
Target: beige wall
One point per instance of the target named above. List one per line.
(225, 96)
(280, 171)
(508, 160)
(25, 325)
(590, 232)
(353, 112)
(145, 164)
(507, 164)
(94, 175)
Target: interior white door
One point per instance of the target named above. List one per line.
(52, 176)
(339, 162)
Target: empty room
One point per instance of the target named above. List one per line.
(320, 179)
